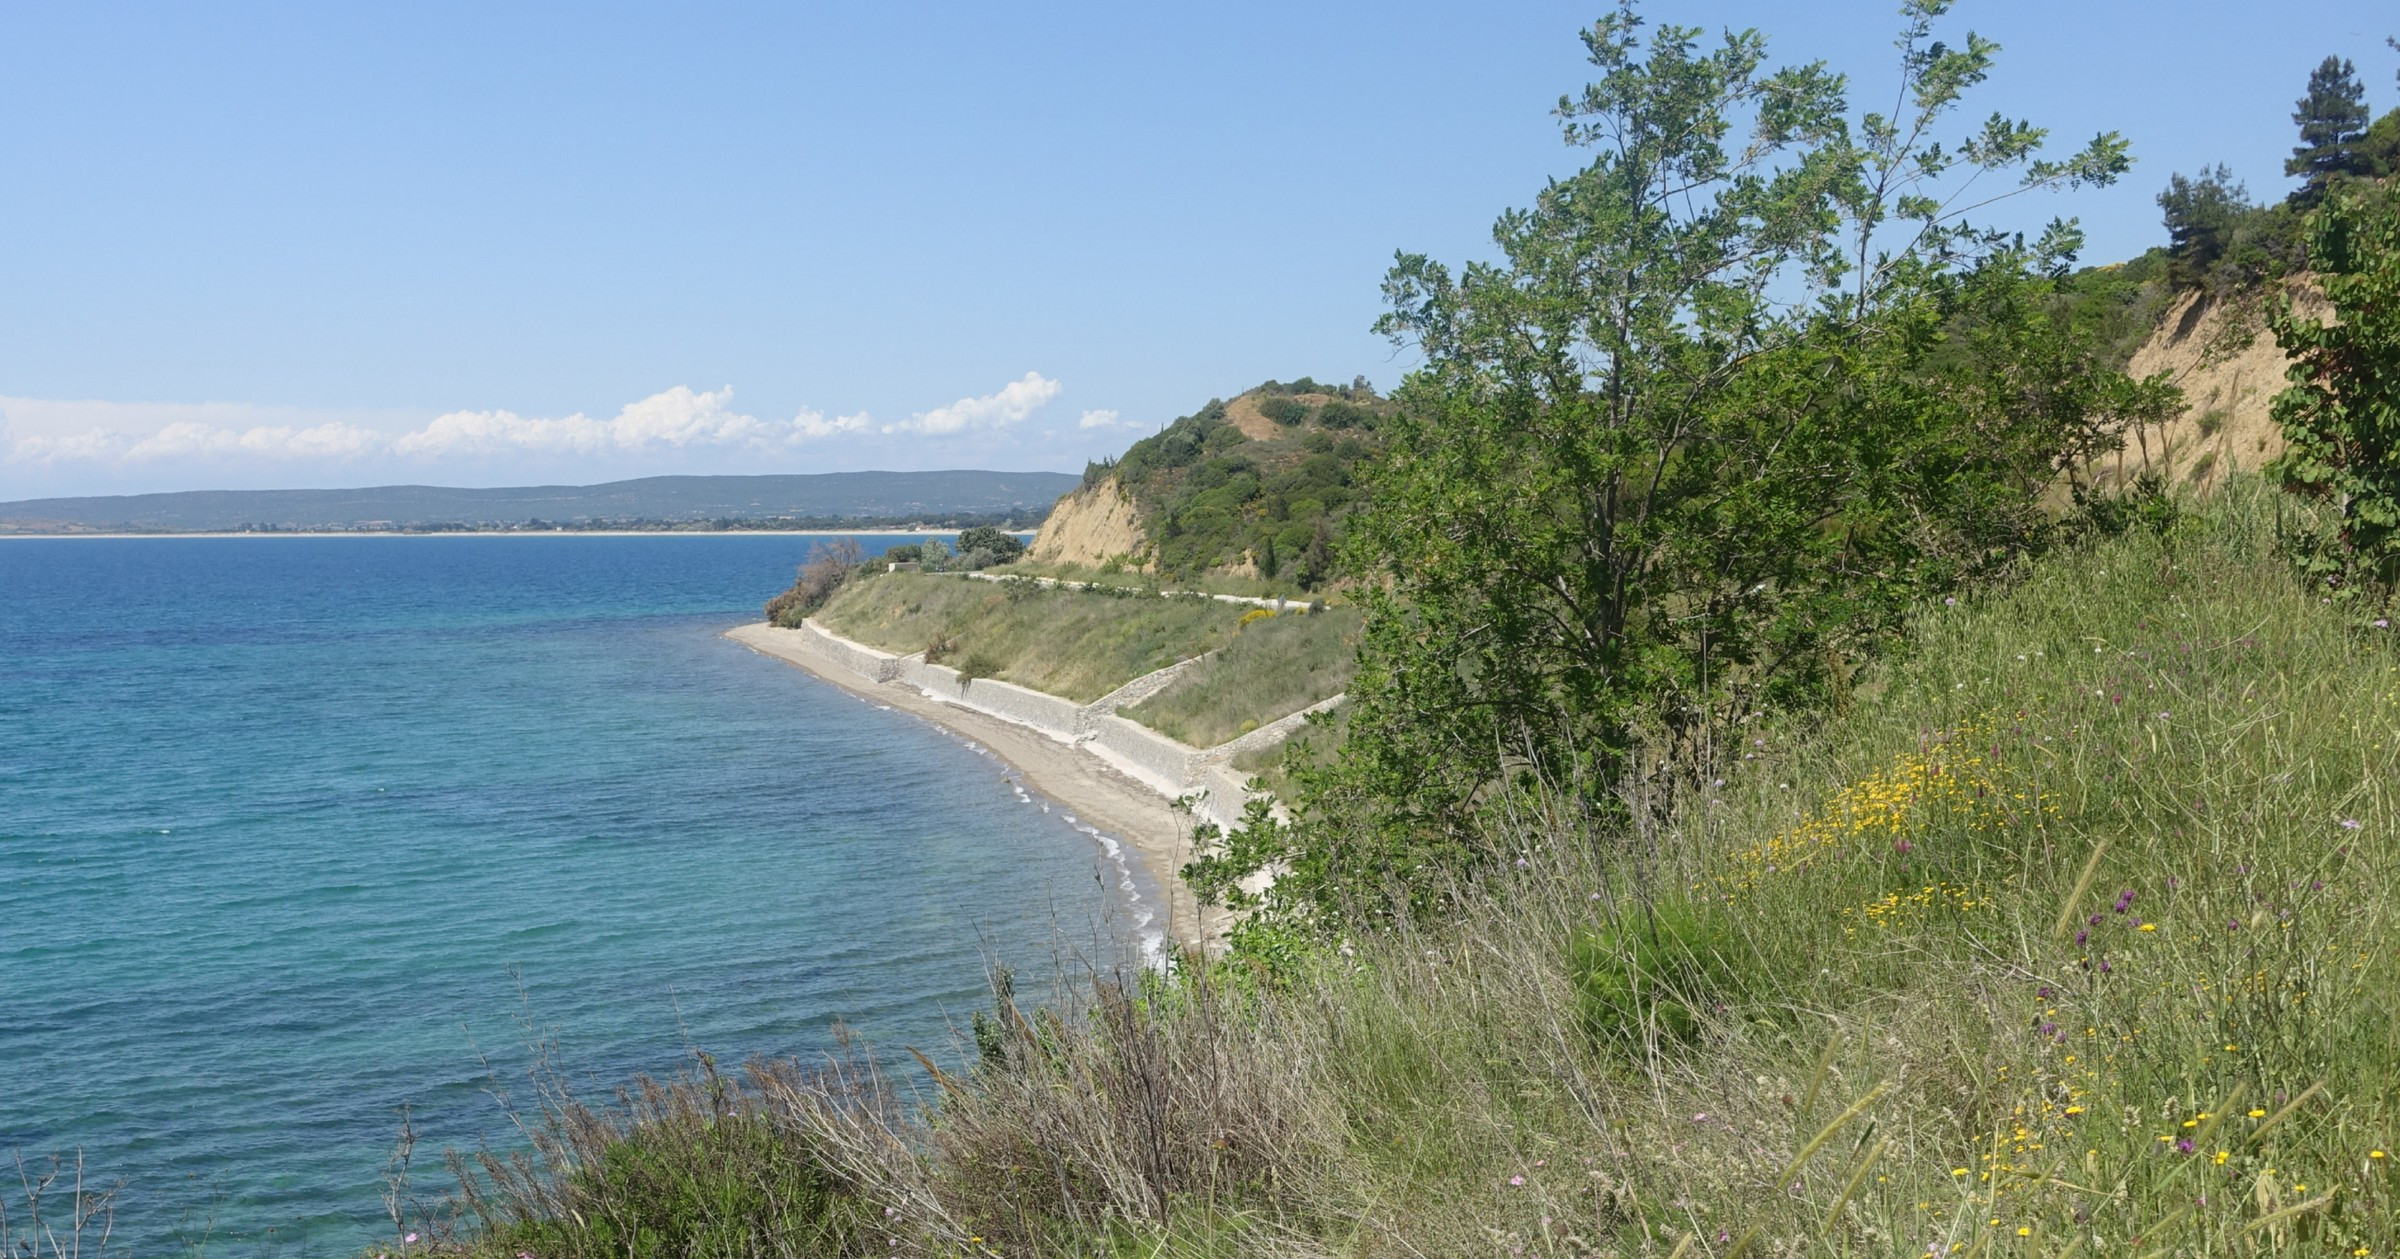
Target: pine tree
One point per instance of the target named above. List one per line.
(2201, 215)
(2333, 121)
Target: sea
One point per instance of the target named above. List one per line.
(300, 836)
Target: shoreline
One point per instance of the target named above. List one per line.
(1120, 806)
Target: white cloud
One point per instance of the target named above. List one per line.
(679, 417)
(46, 432)
(1098, 419)
(191, 438)
(46, 443)
(1016, 400)
(810, 425)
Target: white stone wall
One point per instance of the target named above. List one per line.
(857, 657)
(1136, 749)
(1141, 688)
(1268, 735)
(1172, 768)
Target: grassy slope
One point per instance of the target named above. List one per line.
(1884, 893)
(1273, 667)
(1067, 642)
(1917, 1027)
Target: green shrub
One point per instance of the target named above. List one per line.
(1659, 967)
(728, 1186)
(1284, 411)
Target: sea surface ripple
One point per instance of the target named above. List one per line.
(295, 833)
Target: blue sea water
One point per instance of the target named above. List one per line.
(295, 832)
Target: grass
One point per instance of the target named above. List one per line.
(2075, 933)
(1212, 582)
(1276, 665)
(1074, 643)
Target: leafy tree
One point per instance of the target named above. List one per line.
(987, 540)
(2341, 415)
(2333, 121)
(1738, 392)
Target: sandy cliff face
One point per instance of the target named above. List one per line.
(2226, 362)
(1090, 526)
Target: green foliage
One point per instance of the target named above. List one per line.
(1212, 498)
(1284, 411)
(1080, 644)
(1276, 665)
(2115, 309)
(2341, 415)
(2332, 117)
(1740, 392)
(2220, 242)
(698, 1164)
(2201, 215)
(1655, 971)
(984, 546)
(728, 1186)
(2381, 147)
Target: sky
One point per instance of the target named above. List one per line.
(280, 245)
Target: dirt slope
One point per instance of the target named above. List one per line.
(1090, 526)
(2227, 364)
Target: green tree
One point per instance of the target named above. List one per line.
(2202, 214)
(2341, 415)
(992, 541)
(1735, 395)
(2332, 118)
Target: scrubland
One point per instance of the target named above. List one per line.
(2073, 931)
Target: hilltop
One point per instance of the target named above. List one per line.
(828, 498)
(1254, 487)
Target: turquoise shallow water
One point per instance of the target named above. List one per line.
(295, 832)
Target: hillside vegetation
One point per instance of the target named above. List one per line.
(1787, 803)
(1074, 643)
(1256, 487)
(1082, 644)
(2074, 930)
(1276, 666)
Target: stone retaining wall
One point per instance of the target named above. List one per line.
(1168, 766)
(1268, 735)
(1139, 689)
(859, 658)
(1165, 764)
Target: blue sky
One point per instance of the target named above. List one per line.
(308, 244)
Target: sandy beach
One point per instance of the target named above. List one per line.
(1118, 805)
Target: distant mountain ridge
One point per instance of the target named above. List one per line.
(669, 499)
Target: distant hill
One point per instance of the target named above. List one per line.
(829, 496)
(1253, 487)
